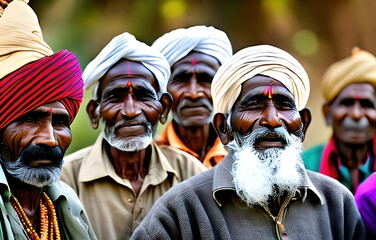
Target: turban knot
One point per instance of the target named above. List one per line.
(178, 43)
(360, 67)
(262, 59)
(53, 78)
(127, 46)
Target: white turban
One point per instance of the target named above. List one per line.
(127, 46)
(178, 43)
(262, 59)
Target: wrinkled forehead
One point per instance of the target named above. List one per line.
(126, 69)
(194, 58)
(264, 86)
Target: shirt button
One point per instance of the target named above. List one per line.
(129, 200)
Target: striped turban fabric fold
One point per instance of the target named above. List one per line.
(261, 59)
(178, 43)
(127, 46)
(53, 78)
(360, 67)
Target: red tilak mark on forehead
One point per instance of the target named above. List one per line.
(49, 110)
(129, 70)
(356, 97)
(129, 85)
(193, 61)
(268, 91)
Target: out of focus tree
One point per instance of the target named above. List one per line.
(317, 33)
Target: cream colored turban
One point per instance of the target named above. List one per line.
(178, 43)
(360, 67)
(261, 59)
(127, 46)
(21, 39)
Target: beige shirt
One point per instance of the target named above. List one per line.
(109, 200)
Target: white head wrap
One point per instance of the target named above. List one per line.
(127, 46)
(262, 59)
(178, 43)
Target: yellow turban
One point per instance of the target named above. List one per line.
(21, 40)
(262, 59)
(360, 67)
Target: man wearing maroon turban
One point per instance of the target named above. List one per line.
(41, 92)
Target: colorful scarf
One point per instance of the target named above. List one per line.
(331, 166)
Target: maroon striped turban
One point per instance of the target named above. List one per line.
(49, 79)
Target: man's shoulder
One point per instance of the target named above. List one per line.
(327, 185)
(178, 156)
(200, 185)
(78, 155)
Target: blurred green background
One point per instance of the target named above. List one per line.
(317, 33)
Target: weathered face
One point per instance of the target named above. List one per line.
(129, 104)
(266, 133)
(265, 102)
(352, 114)
(32, 147)
(189, 86)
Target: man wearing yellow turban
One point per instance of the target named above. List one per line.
(348, 87)
(41, 92)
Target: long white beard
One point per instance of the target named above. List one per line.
(262, 176)
(128, 144)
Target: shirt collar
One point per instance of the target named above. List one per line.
(97, 165)
(223, 181)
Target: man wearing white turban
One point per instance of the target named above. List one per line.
(261, 189)
(194, 55)
(120, 177)
(349, 90)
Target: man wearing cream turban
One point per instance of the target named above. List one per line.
(41, 92)
(261, 189)
(348, 87)
(194, 55)
(120, 177)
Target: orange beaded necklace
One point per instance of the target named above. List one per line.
(49, 228)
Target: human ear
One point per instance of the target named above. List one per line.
(327, 115)
(222, 129)
(166, 101)
(305, 115)
(92, 110)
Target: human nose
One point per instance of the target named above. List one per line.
(270, 118)
(194, 89)
(356, 111)
(130, 108)
(46, 135)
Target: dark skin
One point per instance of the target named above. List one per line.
(47, 125)
(352, 116)
(128, 91)
(189, 86)
(4, 3)
(263, 102)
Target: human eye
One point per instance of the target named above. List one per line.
(366, 103)
(61, 119)
(29, 118)
(251, 104)
(204, 78)
(112, 96)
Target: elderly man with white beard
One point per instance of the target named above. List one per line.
(120, 177)
(261, 189)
